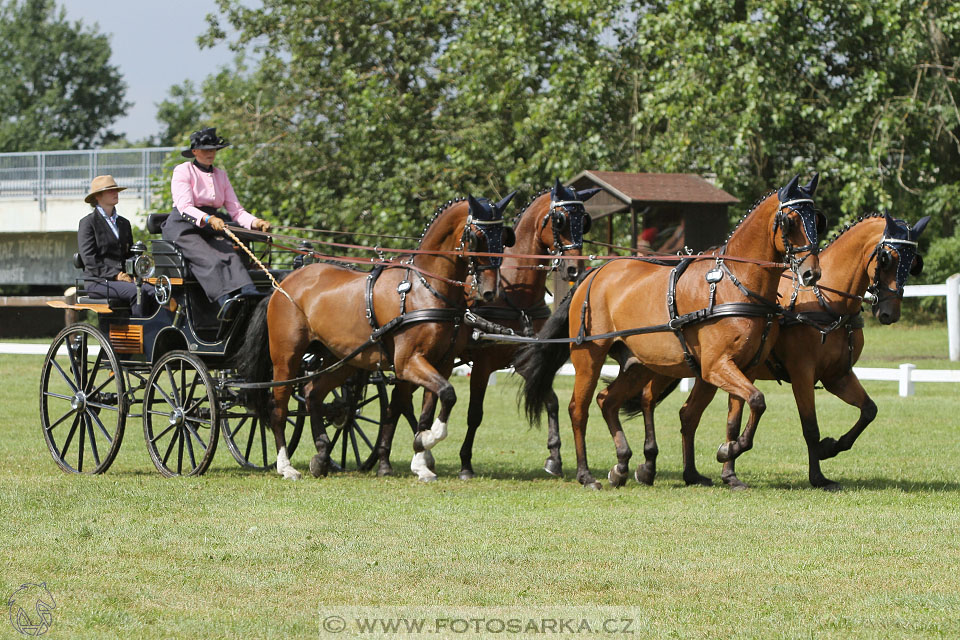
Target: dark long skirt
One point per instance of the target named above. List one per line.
(125, 292)
(213, 261)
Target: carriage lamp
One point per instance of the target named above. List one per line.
(141, 264)
(304, 258)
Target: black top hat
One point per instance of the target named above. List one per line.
(204, 139)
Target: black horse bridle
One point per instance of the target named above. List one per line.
(875, 291)
(811, 229)
(559, 216)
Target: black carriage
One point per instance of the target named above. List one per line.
(173, 370)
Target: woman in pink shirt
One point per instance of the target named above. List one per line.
(201, 192)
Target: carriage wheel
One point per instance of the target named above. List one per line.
(180, 415)
(359, 408)
(83, 405)
(250, 441)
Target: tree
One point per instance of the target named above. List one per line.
(59, 88)
(179, 113)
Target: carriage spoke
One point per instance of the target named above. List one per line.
(193, 460)
(209, 423)
(343, 451)
(263, 442)
(61, 419)
(242, 421)
(83, 430)
(103, 429)
(196, 435)
(57, 395)
(73, 430)
(356, 449)
(336, 437)
(63, 373)
(170, 401)
(366, 419)
(189, 398)
(93, 440)
(102, 385)
(173, 385)
(251, 438)
(364, 436)
(93, 372)
(180, 452)
(173, 441)
(105, 407)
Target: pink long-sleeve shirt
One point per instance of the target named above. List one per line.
(194, 188)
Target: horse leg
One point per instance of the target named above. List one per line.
(553, 464)
(278, 416)
(647, 471)
(314, 393)
(478, 390)
(731, 379)
(610, 400)
(401, 402)
(734, 419)
(419, 371)
(690, 414)
(587, 361)
(848, 389)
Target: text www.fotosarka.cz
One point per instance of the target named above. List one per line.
(479, 622)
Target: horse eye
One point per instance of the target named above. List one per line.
(917, 267)
(884, 259)
(821, 224)
(587, 222)
(560, 218)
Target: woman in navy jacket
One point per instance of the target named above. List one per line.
(105, 242)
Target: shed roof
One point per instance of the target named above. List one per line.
(633, 188)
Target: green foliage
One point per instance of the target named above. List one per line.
(59, 88)
(178, 114)
(367, 116)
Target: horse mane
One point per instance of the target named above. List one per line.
(523, 210)
(752, 208)
(436, 214)
(847, 227)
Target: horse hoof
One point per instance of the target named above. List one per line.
(644, 475)
(429, 461)
(698, 480)
(384, 470)
(593, 486)
(466, 474)
(318, 466)
(734, 483)
(427, 477)
(289, 473)
(827, 448)
(827, 485)
(616, 478)
(723, 453)
(553, 467)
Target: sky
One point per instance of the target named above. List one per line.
(154, 44)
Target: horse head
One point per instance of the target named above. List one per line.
(484, 232)
(563, 226)
(896, 259)
(797, 228)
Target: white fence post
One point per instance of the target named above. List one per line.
(953, 315)
(906, 383)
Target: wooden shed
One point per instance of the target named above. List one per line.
(673, 206)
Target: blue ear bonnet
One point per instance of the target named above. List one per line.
(489, 219)
(900, 230)
(808, 214)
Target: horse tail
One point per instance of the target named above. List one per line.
(253, 360)
(539, 362)
(634, 406)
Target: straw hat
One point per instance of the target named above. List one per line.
(99, 185)
(204, 139)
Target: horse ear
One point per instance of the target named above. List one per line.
(503, 203)
(891, 224)
(586, 194)
(785, 193)
(811, 187)
(919, 227)
(474, 205)
(557, 189)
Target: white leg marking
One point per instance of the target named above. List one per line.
(436, 433)
(419, 466)
(284, 467)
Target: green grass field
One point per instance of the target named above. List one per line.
(233, 553)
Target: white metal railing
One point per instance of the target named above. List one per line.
(40, 174)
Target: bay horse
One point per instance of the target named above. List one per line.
(406, 317)
(718, 331)
(806, 353)
(552, 224)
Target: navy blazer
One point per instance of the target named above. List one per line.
(101, 251)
